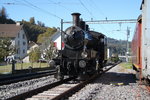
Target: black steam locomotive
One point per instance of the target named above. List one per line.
(84, 51)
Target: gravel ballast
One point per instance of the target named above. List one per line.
(10, 90)
(117, 84)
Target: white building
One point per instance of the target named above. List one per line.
(18, 37)
(56, 38)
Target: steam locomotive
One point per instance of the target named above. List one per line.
(83, 53)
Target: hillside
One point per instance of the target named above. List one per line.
(38, 33)
(118, 46)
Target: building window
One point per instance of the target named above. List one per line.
(23, 51)
(18, 51)
(23, 36)
(24, 43)
(18, 35)
(18, 42)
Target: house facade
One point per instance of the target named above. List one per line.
(18, 38)
(56, 38)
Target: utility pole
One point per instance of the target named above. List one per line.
(127, 49)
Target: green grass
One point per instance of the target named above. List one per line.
(8, 68)
(126, 65)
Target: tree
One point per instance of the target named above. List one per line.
(32, 21)
(40, 24)
(46, 35)
(33, 30)
(51, 51)
(3, 13)
(35, 55)
(3, 17)
(5, 48)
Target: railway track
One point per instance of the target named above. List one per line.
(58, 90)
(23, 77)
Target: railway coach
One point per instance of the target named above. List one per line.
(141, 43)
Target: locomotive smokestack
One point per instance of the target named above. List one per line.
(76, 19)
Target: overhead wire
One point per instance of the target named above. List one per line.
(91, 14)
(24, 4)
(97, 8)
(85, 8)
(59, 4)
(42, 10)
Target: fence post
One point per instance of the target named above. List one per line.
(13, 66)
(40, 63)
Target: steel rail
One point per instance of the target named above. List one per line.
(65, 94)
(30, 93)
(18, 78)
(76, 88)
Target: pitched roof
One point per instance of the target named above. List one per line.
(55, 35)
(9, 30)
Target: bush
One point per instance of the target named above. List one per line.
(35, 55)
(115, 59)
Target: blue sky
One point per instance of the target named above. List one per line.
(50, 12)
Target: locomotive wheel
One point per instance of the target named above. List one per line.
(58, 74)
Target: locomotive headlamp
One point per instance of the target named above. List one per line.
(82, 63)
(52, 63)
(84, 54)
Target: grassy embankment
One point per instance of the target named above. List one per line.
(8, 68)
(126, 65)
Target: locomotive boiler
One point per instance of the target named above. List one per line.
(84, 51)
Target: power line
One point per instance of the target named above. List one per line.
(85, 8)
(97, 8)
(18, 3)
(59, 4)
(90, 13)
(42, 9)
(43, 3)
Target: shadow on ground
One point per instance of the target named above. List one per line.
(116, 78)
